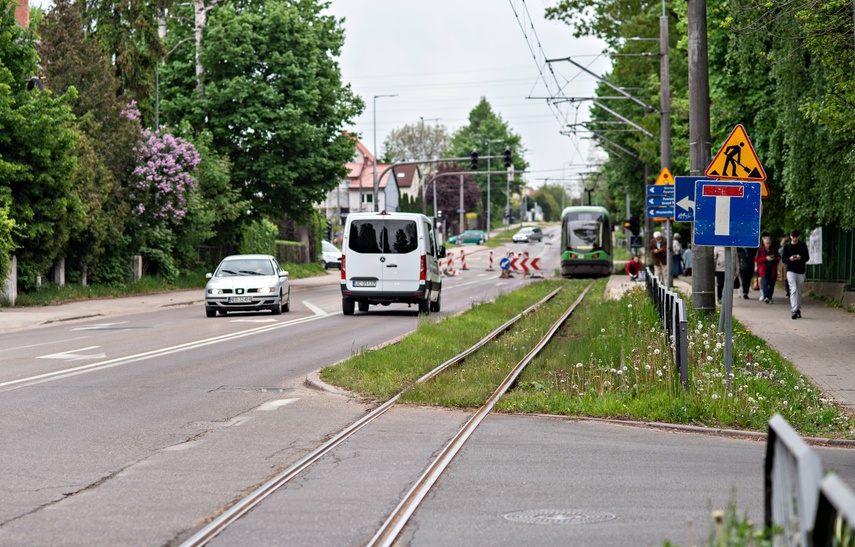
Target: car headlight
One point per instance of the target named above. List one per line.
(215, 291)
(266, 290)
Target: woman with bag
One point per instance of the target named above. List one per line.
(767, 259)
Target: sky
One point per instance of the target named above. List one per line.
(441, 56)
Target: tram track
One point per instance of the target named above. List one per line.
(396, 521)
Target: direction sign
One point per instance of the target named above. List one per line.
(660, 212)
(727, 213)
(659, 190)
(660, 201)
(684, 198)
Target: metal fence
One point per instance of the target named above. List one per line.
(672, 312)
(805, 509)
(838, 260)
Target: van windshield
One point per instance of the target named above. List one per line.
(383, 236)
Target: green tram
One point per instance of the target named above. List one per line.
(586, 242)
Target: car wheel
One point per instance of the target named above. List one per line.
(480, 242)
(347, 306)
(277, 309)
(210, 312)
(363, 305)
(434, 306)
(287, 307)
(424, 306)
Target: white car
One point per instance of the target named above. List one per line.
(528, 234)
(247, 283)
(330, 255)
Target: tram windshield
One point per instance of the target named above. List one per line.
(585, 232)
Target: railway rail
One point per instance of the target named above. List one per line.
(396, 521)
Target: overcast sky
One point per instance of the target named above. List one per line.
(440, 57)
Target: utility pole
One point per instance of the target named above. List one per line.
(703, 265)
(665, 128)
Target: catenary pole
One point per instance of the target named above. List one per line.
(703, 265)
(665, 127)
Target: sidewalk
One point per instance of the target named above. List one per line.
(24, 318)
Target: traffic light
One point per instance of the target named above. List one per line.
(474, 160)
(633, 224)
(329, 230)
(507, 156)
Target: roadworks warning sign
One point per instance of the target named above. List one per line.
(737, 160)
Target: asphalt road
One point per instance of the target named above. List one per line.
(137, 429)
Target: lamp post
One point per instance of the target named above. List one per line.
(374, 169)
(489, 203)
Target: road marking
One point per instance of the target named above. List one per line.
(316, 310)
(120, 361)
(273, 405)
(98, 326)
(48, 343)
(74, 355)
(269, 320)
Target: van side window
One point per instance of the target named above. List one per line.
(431, 245)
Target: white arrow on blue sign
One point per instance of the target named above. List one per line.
(684, 198)
(660, 201)
(727, 213)
(660, 212)
(659, 189)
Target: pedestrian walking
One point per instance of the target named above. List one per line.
(659, 250)
(687, 259)
(745, 260)
(783, 267)
(795, 255)
(767, 259)
(718, 255)
(677, 256)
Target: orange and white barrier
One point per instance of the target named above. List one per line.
(463, 260)
(490, 263)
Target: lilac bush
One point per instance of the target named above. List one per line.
(163, 179)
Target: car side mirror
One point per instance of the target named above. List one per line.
(441, 252)
(209, 275)
(283, 273)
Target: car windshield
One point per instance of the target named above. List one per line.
(328, 247)
(525, 232)
(245, 266)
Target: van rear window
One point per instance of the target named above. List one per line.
(376, 236)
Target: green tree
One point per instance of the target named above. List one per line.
(550, 197)
(35, 163)
(272, 77)
(486, 125)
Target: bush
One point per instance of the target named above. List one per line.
(258, 237)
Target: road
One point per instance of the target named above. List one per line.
(136, 429)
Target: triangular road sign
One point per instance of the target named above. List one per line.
(737, 160)
(665, 177)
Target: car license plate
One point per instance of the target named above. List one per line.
(365, 283)
(239, 299)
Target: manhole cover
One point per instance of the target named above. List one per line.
(552, 516)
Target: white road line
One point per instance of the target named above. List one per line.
(269, 320)
(83, 369)
(273, 405)
(316, 310)
(99, 326)
(74, 355)
(48, 343)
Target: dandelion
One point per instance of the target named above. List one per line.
(785, 403)
(715, 396)
(603, 330)
(646, 367)
(579, 365)
(630, 306)
(709, 358)
(656, 352)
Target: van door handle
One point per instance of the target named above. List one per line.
(391, 265)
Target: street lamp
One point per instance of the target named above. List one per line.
(489, 203)
(374, 197)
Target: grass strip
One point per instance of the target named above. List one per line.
(385, 372)
(612, 360)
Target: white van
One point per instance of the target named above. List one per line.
(390, 257)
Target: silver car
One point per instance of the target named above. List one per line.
(247, 283)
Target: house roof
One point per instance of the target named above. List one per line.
(363, 175)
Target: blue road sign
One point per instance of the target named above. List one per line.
(660, 212)
(659, 201)
(635, 242)
(660, 189)
(727, 213)
(505, 263)
(684, 198)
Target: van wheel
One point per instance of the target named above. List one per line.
(363, 305)
(425, 306)
(347, 306)
(434, 306)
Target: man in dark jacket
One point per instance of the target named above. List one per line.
(745, 259)
(795, 255)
